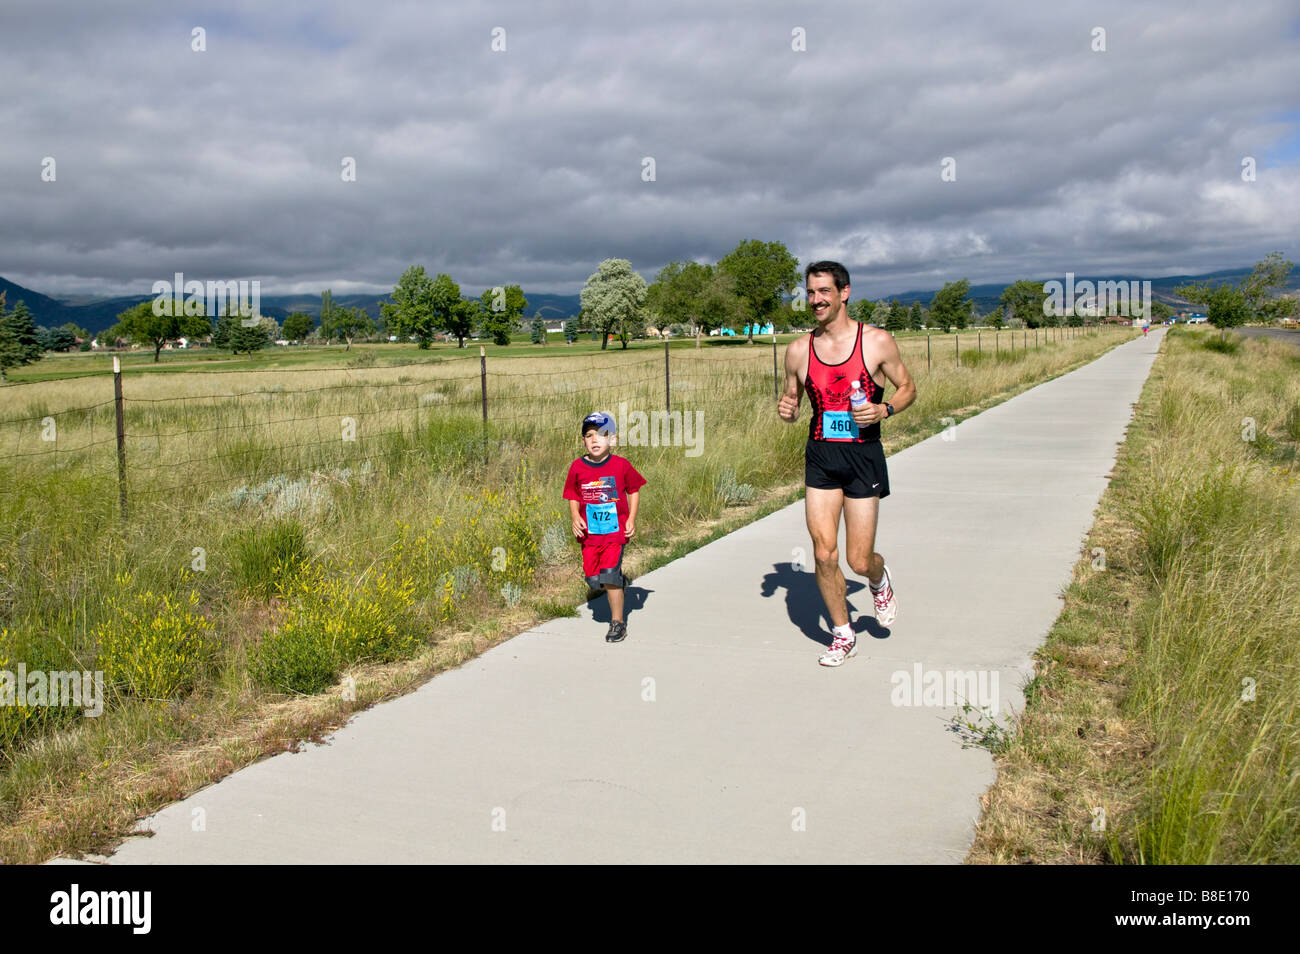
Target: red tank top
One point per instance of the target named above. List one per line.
(829, 386)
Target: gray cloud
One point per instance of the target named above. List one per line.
(525, 165)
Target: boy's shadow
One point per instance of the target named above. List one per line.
(804, 604)
(634, 598)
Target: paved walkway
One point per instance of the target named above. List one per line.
(711, 734)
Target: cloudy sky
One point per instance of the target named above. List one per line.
(824, 126)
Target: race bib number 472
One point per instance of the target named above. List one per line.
(602, 517)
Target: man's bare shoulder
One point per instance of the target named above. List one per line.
(797, 349)
(878, 341)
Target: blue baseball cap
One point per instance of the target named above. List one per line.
(603, 421)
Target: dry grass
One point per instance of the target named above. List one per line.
(1166, 694)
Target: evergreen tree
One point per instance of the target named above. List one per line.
(11, 354)
(326, 310)
(915, 317)
(23, 329)
(247, 339)
(895, 319)
(896, 316)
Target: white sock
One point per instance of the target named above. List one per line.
(877, 588)
(846, 630)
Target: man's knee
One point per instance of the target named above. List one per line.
(828, 558)
(860, 565)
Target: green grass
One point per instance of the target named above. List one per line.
(1166, 694)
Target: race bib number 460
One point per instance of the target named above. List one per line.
(602, 517)
(839, 425)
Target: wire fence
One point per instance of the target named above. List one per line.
(179, 446)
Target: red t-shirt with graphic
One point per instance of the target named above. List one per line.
(601, 491)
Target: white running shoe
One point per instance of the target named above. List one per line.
(841, 649)
(886, 604)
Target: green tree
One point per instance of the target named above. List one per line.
(60, 339)
(409, 310)
(896, 317)
(1024, 299)
(1227, 307)
(498, 325)
(862, 310)
(223, 329)
(447, 312)
(1262, 286)
(570, 331)
(915, 317)
(11, 352)
(950, 307)
(463, 315)
(764, 272)
(996, 320)
(22, 327)
(632, 325)
(110, 337)
(537, 332)
(298, 326)
(675, 294)
(248, 338)
(719, 306)
(74, 329)
(613, 294)
(501, 310)
(1161, 312)
(157, 321)
(348, 324)
(326, 310)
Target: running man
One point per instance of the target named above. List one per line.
(844, 464)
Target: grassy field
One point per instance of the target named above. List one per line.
(62, 367)
(1163, 725)
(304, 542)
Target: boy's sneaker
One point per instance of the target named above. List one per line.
(617, 632)
(886, 604)
(841, 649)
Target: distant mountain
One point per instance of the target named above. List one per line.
(986, 297)
(96, 314)
(45, 311)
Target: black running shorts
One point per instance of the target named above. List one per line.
(857, 469)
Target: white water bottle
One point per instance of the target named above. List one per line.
(857, 397)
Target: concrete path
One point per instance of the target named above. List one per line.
(711, 734)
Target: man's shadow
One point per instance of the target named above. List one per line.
(804, 604)
(634, 598)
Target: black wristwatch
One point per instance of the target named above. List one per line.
(889, 409)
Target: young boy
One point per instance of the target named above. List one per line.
(602, 490)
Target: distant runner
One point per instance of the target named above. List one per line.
(844, 464)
